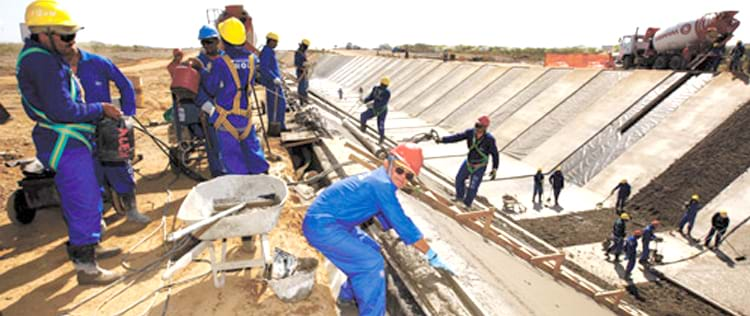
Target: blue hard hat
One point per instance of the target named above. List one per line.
(207, 31)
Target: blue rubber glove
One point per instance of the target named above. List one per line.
(436, 263)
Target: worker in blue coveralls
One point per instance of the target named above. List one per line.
(538, 186)
(691, 211)
(557, 180)
(331, 225)
(95, 72)
(623, 192)
(619, 229)
(649, 234)
(631, 247)
(719, 225)
(270, 77)
(481, 146)
(379, 96)
(64, 132)
(227, 84)
(302, 71)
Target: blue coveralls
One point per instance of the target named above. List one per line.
(558, 183)
(691, 210)
(300, 58)
(631, 246)
(719, 227)
(331, 226)
(269, 70)
(623, 192)
(95, 72)
(239, 150)
(379, 96)
(538, 186)
(618, 236)
(63, 136)
(214, 164)
(475, 164)
(648, 235)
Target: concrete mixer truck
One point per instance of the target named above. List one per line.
(685, 46)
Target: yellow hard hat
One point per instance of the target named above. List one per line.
(306, 42)
(48, 13)
(385, 81)
(273, 36)
(559, 168)
(695, 197)
(625, 216)
(539, 169)
(624, 181)
(233, 31)
(723, 213)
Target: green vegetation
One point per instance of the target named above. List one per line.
(527, 54)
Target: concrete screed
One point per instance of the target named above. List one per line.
(423, 84)
(440, 89)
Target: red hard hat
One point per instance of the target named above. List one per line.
(484, 120)
(410, 154)
(655, 222)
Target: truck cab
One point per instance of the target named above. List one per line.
(631, 46)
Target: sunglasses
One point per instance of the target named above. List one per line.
(479, 126)
(67, 38)
(209, 41)
(400, 171)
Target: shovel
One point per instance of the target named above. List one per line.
(600, 205)
(274, 126)
(270, 156)
(741, 257)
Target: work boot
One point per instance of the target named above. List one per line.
(617, 258)
(131, 209)
(87, 271)
(106, 252)
(381, 139)
(362, 127)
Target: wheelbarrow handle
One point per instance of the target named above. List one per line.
(209, 220)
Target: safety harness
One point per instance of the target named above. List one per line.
(222, 122)
(65, 131)
(475, 146)
(383, 108)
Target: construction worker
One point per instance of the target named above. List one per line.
(618, 236)
(649, 234)
(271, 78)
(719, 225)
(300, 62)
(737, 52)
(623, 192)
(691, 210)
(481, 146)
(64, 131)
(341, 94)
(95, 72)
(379, 96)
(557, 180)
(631, 247)
(227, 83)
(331, 225)
(538, 186)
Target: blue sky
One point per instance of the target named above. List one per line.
(370, 23)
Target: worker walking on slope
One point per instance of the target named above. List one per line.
(52, 96)
(331, 225)
(538, 186)
(557, 180)
(649, 234)
(737, 52)
(618, 236)
(270, 77)
(481, 146)
(631, 247)
(623, 192)
(719, 225)
(379, 96)
(302, 65)
(95, 72)
(227, 84)
(691, 210)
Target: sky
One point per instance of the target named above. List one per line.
(168, 23)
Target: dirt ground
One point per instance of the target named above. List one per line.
(37, 279)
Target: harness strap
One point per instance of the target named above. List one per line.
(222, 121)
(475, 147)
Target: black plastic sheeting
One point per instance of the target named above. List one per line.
(558, 117)
(591, 158)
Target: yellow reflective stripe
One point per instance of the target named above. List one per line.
(60, 144)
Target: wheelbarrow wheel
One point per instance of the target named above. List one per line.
(18, 210)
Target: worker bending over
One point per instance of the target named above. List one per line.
(719, 225)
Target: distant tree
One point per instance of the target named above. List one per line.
(385, 47)
(349, 45)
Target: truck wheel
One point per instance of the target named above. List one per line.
(627, 62)
(18, 210)
(675, 63)
(661, 62)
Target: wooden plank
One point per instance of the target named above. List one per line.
(362, 162)
(558, 258)
(613, 297)
(361, 151)
(473, 215)
(287, 137)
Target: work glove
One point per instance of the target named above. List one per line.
(208, 108)
(438, 140)
(436, 263)
(493, 174)
(658, 239)
(277, 81)
(128, 121)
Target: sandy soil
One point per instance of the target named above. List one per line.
(37, 279)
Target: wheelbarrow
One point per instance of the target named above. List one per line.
(511, 204)
(225, 207)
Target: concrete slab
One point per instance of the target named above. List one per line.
(519, 121)
(381, 65)
(679, 132)
(363, 70)
(497, 93)
(462, 93)
(345, 69)
(356, 70)
(420, 85)
(405, 84)
(440, 89)
(588, 123)
(374, 78)
(515, 103)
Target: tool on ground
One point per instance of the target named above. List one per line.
(600, 205)
(740, 256)
(274, 126)
(292, 279)
(4, 115)
(656, 257)
(511, 205)
(270, 156)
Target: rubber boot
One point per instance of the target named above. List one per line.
(87, 271)
(106, 252)
(362, 127)
(131, 207)
(381, 139)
